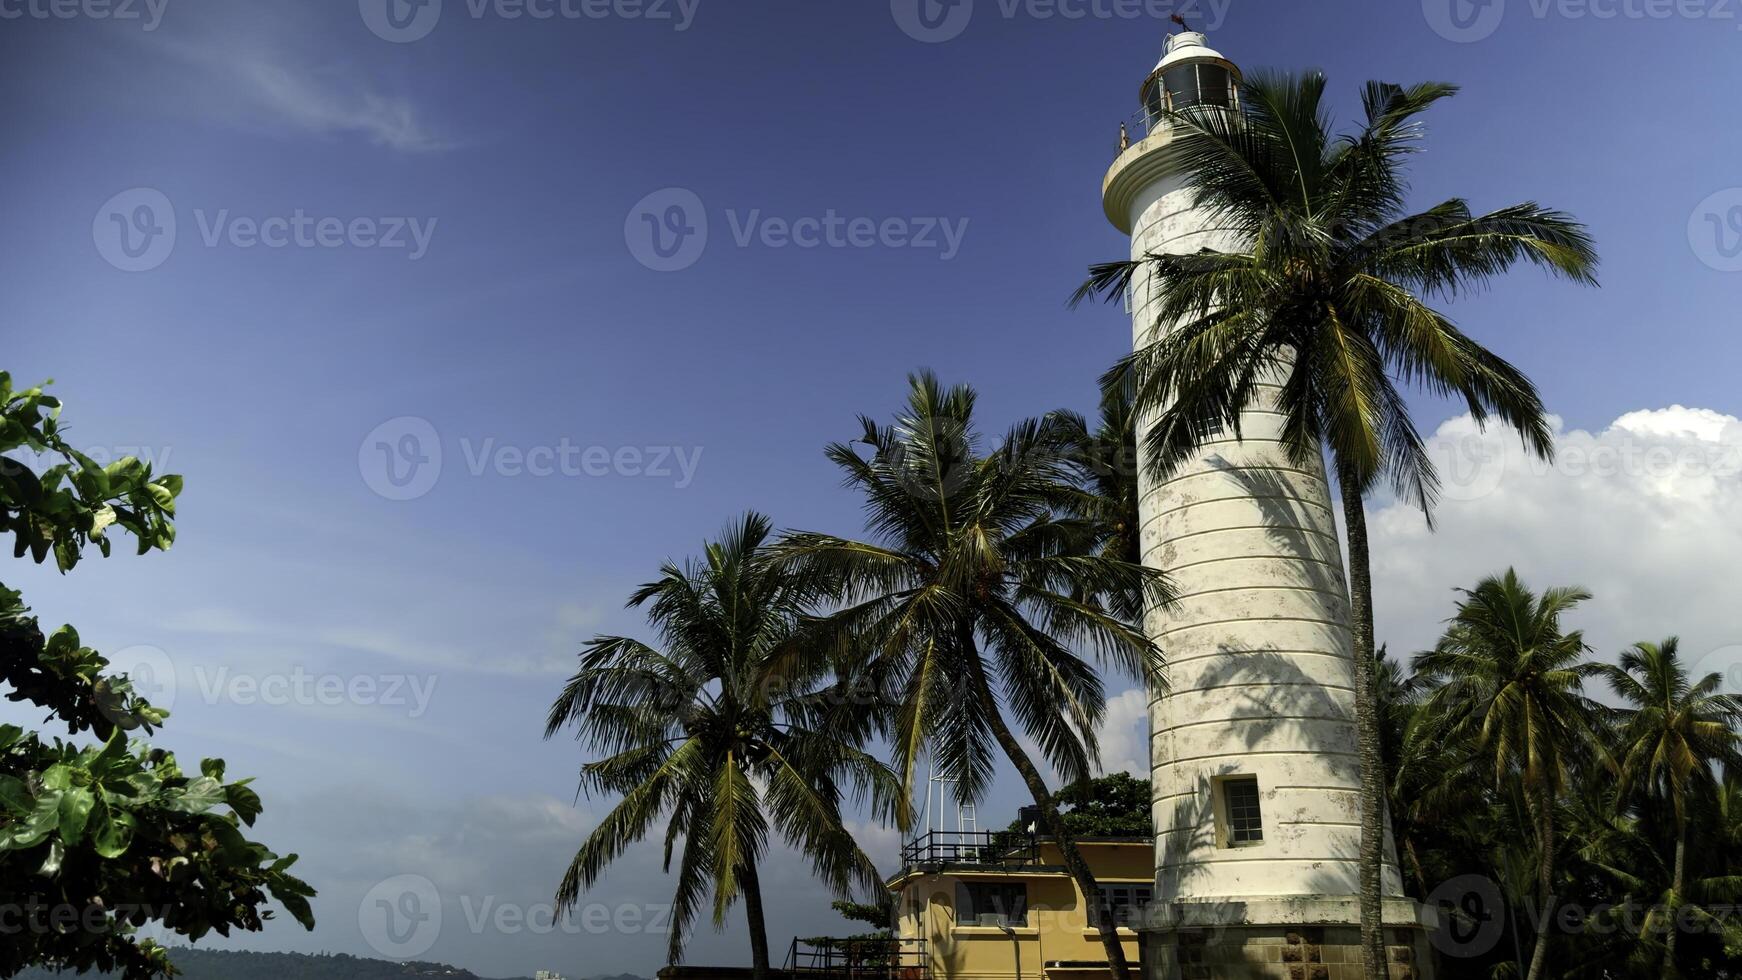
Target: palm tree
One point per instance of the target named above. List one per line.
(1105, 461)
(970, 595)
(1511, 680)
(1676, 731)
(735, 728)
(1322, 314)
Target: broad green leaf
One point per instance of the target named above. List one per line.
(75, 810)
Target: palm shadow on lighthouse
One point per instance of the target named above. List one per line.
(1253, 749)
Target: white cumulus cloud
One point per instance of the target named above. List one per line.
(1646, 513)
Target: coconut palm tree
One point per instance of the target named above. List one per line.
(1511, 679)
(1105, 460)
(1676, 732)
(736, 728)
(973, 594)
(1322, 314)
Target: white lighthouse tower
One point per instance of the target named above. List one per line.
(1253, 749)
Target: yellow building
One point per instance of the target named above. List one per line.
(995, 905)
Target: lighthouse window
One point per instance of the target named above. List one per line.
(1242, 821)
(1190, 85)
(1215, 85)
(1182, 85)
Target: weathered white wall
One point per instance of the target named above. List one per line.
(1259, 652)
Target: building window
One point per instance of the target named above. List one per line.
(1243, 824)
(1126, 903)
(989, 904)
(1198, 84)
(1213, 426)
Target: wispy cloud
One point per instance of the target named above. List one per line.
(327, 107)
(278, 82)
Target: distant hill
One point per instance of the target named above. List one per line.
(208, 964)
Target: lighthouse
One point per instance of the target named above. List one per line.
(1253, 756)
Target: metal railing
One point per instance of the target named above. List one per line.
(1140, 124)
(871, 958)
(996, 848)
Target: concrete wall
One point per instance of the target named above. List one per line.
(1259, 651)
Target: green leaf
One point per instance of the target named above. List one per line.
(58, 777)
(111, 831)
(162, 497)
(57, 853)
(75, 811)
(244, 801)
(15, 796)
(199, 796)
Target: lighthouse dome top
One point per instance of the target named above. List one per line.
(1187, 46)
(1190, 73)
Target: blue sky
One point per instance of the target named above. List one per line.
(463, 263)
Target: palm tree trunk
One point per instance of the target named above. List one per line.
(1545, 882)
(1415, 866)
(758, 928)
(1366, 732)
(1050, 819)
(1681, 852)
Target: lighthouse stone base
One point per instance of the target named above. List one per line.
(1307, 938)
